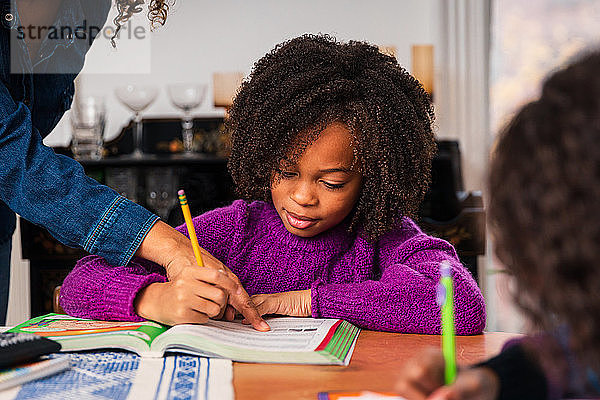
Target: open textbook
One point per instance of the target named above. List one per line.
(290, 341)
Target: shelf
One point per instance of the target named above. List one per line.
(155, 160)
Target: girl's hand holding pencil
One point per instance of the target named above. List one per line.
(238, 299)
(177, 256)
(196, 293)
(192, 297)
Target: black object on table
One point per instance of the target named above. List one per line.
(18, 348)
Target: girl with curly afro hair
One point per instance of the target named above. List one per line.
(331, 151)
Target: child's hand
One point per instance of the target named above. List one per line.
(296, 303)
(238, 298)
(172, 250)
(192, 297)
(423, 379)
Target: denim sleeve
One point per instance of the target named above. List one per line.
(53, 191)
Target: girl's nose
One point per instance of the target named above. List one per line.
(303, 195)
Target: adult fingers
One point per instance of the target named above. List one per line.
(263, 304)
(245, 306)
(229, 314)
(214, 264)
(217, 277)
(209, 260)
(239, 298)
(223, 307)
(206, 307)
(186, 315)
(197, 296)
(184, 288)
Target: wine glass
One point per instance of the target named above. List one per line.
(137, 98)
(187, 97)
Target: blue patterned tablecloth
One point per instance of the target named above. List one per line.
(123, 375)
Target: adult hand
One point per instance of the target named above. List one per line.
(192, 297)
(239, 300)
(423, 379)
(172, 250)
(295, 303)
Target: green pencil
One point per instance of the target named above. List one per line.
(446, 302)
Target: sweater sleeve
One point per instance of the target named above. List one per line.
(96, 289)
(404, 298)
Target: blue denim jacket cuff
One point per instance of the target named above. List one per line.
(121, 230)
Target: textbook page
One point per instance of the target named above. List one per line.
(291, 340)
(286, 334)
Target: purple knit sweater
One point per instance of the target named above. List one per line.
(387, 286)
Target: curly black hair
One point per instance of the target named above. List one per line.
(308, 82)
(545, 205)
(157, 13)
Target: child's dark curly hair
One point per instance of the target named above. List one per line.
(306, 83)
(545, 205)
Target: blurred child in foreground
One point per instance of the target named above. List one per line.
(545, 215)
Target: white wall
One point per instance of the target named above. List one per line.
(202, 37)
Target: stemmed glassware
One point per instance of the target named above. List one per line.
(187, 97)
(137, 98)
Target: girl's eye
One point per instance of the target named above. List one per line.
(287, 174)
(333, 186)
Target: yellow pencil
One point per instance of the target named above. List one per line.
(190, 226)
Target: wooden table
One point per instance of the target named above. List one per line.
(377, 358)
